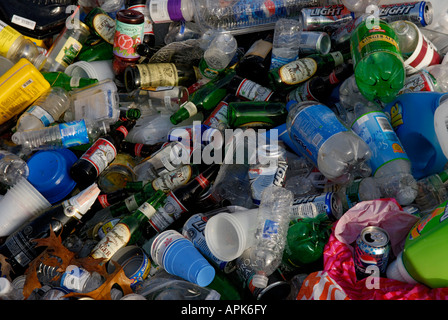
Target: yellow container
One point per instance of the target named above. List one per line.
(20, 86)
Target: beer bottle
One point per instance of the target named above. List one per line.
(259, 114)
(63, 80)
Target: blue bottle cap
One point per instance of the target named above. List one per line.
(49, 173)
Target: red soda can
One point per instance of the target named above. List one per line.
(372, 248)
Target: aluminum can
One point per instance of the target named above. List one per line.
(420, 12)
(317, 18)
(372, 248)
(328, 203)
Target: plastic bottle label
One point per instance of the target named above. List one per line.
(114, 240)
(313, 126)
(167, 214)
(73, 133)
(41, 114)
(375, 129)
(7, 37)
(253, 91)
(270, 228)
(127, 37)
(158, 11)
(278, 61)
(298, 71)
(263, 177)
(157, 75)
(100, 154)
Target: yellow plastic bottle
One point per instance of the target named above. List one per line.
(19, 87)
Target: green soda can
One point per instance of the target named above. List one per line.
(377, 61)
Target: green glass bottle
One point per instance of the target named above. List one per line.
(258, 114)
(204, 99)
(377, 61)
(131, 203)
(300, 70)
(96, 51)
(128, 230)
(63, 80)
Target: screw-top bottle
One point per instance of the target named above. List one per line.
(286, 41)
(128, 229)
(270, 237)
(20, 249)
(63, 135)
(102, 152)
(390, 164)
(432, 191)
(377, 60)
(47, 109)
(15, 46)
(63, 80)
(205, 98)
(218, 55)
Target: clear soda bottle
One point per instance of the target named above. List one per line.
(338, 152)
(47, 109)
(270, 237)
(218, 55)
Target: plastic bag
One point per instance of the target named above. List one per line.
(338, 279)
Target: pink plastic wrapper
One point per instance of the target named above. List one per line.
(338, 279)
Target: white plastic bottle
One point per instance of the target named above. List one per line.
(63, 135)
(270, 237)
(338, 152)
(218, 55)
(286, 42)
(164, 11)
(390, 164)
(47, 109)
(12, 168)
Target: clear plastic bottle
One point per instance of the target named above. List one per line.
(47, 109)
(432, 191)
(246, 16)
(286, 42)
(218, 55)
(440, 73)
(338, 152)
(15, 46)
(12, 168)
(269, 169)
(390, 164)
(358, 6)
(63, 135)
(270, 237)
(181, 31)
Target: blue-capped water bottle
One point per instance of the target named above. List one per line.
(338, 152)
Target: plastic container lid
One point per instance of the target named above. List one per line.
(49, 173)
(397, 271)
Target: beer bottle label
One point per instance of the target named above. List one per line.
(167, 214)
(298, 71)
(100, 154)
(173, 179)
(156, 75)
(115, 239)
(253, 91)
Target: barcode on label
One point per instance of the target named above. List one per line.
(27, 83)
(384, 124)
(24, 22)
(317, 139)
(154, 7)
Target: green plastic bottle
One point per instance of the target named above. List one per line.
(424, 258)
(377, 61)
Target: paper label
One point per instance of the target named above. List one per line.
(157, 75)
(114, 240)
(69, 51)
(298, 71)
(7, 37)
(100, 154)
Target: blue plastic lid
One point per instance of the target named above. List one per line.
(49, 173)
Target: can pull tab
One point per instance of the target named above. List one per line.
(441, 123)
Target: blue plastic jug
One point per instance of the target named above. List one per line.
(420, 120)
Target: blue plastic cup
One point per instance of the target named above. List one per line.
(50, 173)
(178, 256)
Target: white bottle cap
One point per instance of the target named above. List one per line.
(397, 271)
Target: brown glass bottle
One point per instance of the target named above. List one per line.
(103, 151)
(154, 75)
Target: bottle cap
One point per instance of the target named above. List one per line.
(49, 173)
(397, 271)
